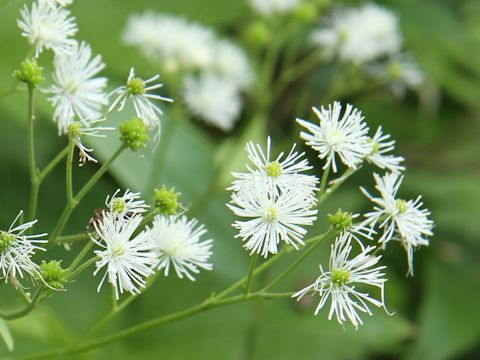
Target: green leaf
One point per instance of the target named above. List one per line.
(6, 335)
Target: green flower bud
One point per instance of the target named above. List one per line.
(134, 133)
(166, 200)
(6, 240)
(258, 33)
(29, 73)
(306, 12)
(341, 220)
(53, 274)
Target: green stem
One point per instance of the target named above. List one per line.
(80, 256)
(323, 182)
(34, 180)
(78, 270)
(51, 165)
(335, 185)
(72, 238)
(69, 171)
(27, 309)
(251, 269)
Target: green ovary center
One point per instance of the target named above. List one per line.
(401, 206)
(74, 130)
(6, 240)
(118, 250)
(340, 277)
(271, 214)
(136, 86)
(274, 169)
(335, 137)
(118, 205)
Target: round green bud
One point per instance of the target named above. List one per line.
(340, 277)
(258, 33)
(166, 200)
(134, 133)
(29, 73)
(6, 240)
(274, 169)
(341, 220)
(53, 274)
(136, 86)
(306, 12)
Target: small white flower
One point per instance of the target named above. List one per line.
(129, 261)
(177, 241)
(340, 282)
(278, 174)
(360, 34)
(76, 92)
(272, 217)
(380, 146)
(62, 2)
(269, 7)
(17, 249)
(127, 205)
(214, 99)
(47, 26)
(78, 129)
(345, 136)
(232, 63)
(400, 220)
(137, 90)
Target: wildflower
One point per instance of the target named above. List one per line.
(279, 173)
(177, 240)
(345, 136)
(29, 73)
(231, 63)
(137, 90)
(380, 146)
(399, 219)
(270, 7)
(76, 92)
(220, 110)
(272, 217)
(360, 34)
(47, 26)
(17, 249)
(127, 205)
(340, 282)
(129, 261)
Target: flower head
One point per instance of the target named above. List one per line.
(232, 63)
(48, 26)
(380, 146)
(137, 90)
(127, 205)
(270, 7)
(17, 249)
(340, 282)
(360, 34)
(177, 240)
(344, 136)
(76, 92)
(128, 261)
(399, 219)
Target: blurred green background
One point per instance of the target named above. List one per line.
(436, 312)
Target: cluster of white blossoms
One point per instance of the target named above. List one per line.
(271, 7)
(369, 33)
(207, 64)
(276, 198)
(77, 92)
(131, 254)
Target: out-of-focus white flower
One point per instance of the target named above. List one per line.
(77, 130)
(127, 205)
(17, 249)
(231, 62)
(137, 90)
(177, 240)
(278, 174)
(48, 26)
(213, 98)
(380, 146)
(399, 219)
(344, 136)
(360, 34)
(62, 2)
(129, 261)
(340, 282)
(269, 7)
(76, 92)
(272, 217)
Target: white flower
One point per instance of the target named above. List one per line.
(77, 130)
(177, 241)
(47, 26)
(269, 7)
(380, 146)
(340, 282)
(400, 220)
(279, 173)
(213, 98)
(76, 92)
(17, 249)
(137, 90)
(345, 136)
(272, 217)
(360, 34)
(62, 2)
(127, 205)
(128, 261)
(232, 63)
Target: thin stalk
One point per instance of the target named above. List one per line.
(335, 185)
(72, 238)
(34, 181)
(251, 269)
(51, 165)
(27, 309)
(323, 182)
(78, 270)
(69, 171)
(80, 256)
